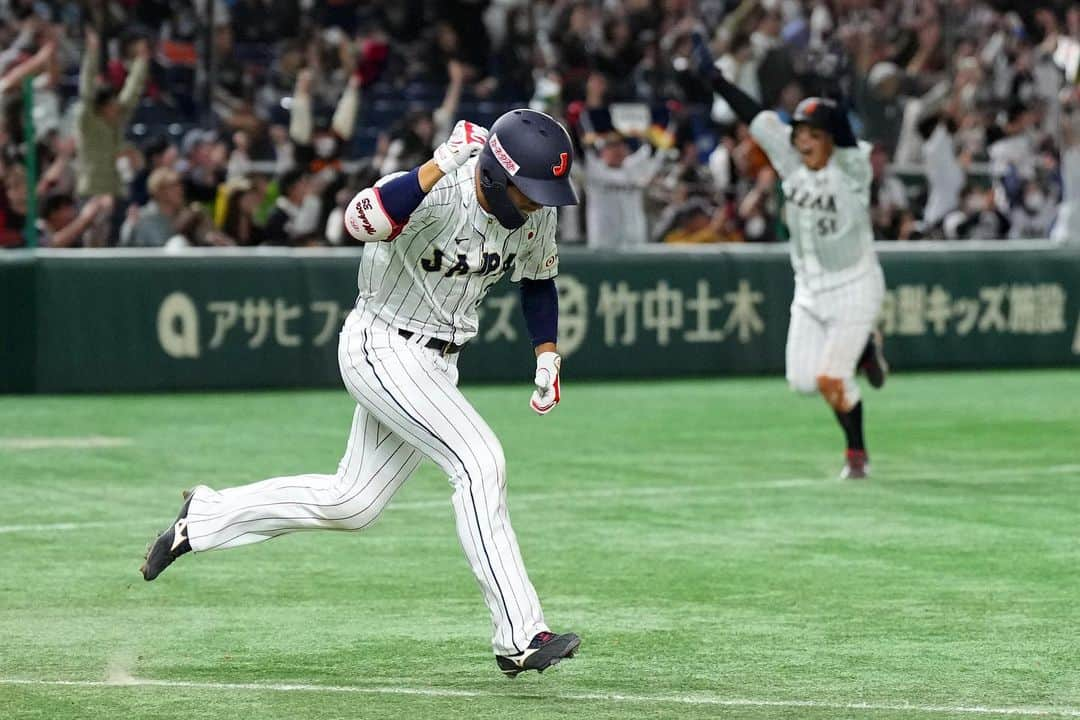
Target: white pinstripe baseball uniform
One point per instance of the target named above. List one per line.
(839, 284)
(428, 281)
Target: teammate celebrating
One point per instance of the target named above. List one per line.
(438, 238)
(839, 285)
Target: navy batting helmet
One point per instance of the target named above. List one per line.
(532, 152)
(817, 113)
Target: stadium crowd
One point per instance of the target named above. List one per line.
(972, 108)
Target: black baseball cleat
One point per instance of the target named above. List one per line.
(856, 465)
(545, 650)
(872, 361)
(169, 545)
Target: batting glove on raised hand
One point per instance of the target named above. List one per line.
(465, 141)
(546, 396)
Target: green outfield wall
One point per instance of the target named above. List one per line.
(120, 321)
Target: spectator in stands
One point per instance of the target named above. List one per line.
(318, 148)
(283, 150)
(413, 142)
(919, 114)
(982, 82)
(157, 153)
(295, 218)
(202, 165)
(757, 206)
(615, 183)
(944, 172)
(103, 117)
(13, 206)
(264, 21)
(977, 218)
(696, 221)
(63, 225)
(888, 198)
(1032, 216)
(239, 165)
(721, 173)
(880, 104)
(1067, 226)
(14, 68)
(576, 39)
(57, 154)
(238, 221)
(168, 220)
(739, 63)
(1012, 148)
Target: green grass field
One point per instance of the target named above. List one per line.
(693, 533)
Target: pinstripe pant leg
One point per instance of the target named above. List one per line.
(805, 341)
(375, 464)
(414, 392)
(853, 310)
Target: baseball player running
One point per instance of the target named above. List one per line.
(839, 285)
(437, 238)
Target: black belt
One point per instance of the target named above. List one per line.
(444, 347)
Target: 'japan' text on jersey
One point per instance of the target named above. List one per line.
(432, 277)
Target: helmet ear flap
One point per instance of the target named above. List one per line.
(494, 183)
(487, 178)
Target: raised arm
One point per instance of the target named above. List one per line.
(645, 162)
(745, 107)
(380, 212)
(38, 62)
(344, 120)
(136, 79)
(300, 120)
(843, 135)
(444, 114)
(766, 127)
(70, 234)
(88, 69)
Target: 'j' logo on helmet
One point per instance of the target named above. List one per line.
(564, 163)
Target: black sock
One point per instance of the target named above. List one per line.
(851, 422)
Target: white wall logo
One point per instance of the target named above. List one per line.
(178, 326)
(502, 156)
(573, 314)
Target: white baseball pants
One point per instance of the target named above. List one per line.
(408, 408)
(829, 330)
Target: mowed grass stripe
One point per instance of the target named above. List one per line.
(667, 491)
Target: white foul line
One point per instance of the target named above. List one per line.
(77, 443)
(49, 527)
(512, 693)
(444, 502)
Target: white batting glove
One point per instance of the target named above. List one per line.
(465, 141)
(546, 396)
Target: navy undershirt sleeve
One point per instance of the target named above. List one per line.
(540, 305)
(402, 195)
(745, 107)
